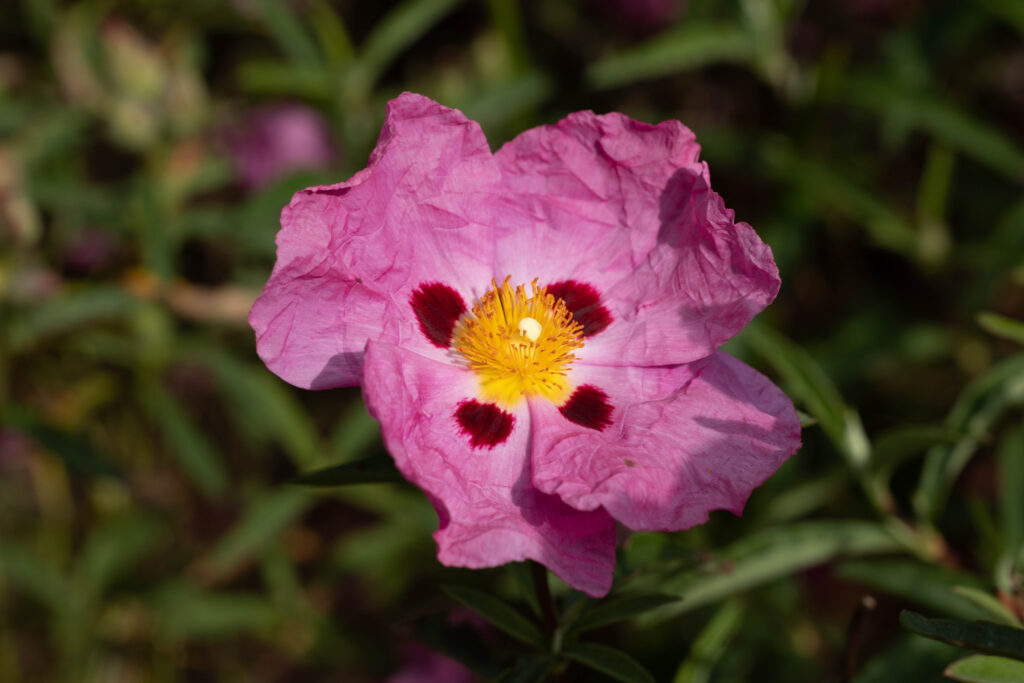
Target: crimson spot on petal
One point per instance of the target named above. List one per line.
(584, 302)
(485, 424)
(438, 307)
(588, 406)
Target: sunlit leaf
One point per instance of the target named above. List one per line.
(1001, 326)
(711, 644)
(986, 669)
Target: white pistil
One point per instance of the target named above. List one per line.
(530, 328)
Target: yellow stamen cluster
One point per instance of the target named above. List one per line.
(519, 345)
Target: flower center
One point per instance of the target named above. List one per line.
(519, 345)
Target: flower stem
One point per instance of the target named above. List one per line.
(544, 599)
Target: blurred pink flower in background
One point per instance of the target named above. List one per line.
(276, 141)
(536, 330)
(420, 665)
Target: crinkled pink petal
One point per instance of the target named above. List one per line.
(624, 206)
(683, 441)
(349, 255)
(490, 513)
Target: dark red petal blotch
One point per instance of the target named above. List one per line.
(588, 406)
(485, 424)
(584, 302)
(438, 307)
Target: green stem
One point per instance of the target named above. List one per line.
(544, 599)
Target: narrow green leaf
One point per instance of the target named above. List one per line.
(924, 584)
(186, 442)
(532, 668)
(186, 613)
(398, 30)
(355, 432)
(289, 33)
(690, 46)
(977, 408)
(619, 608)
(37, 577)
(986, 669)
(331, 33)
(66, 313)
(264, 519)
(945, 121)
(983, 636)
(501, 614)
(373, 470)
(989, 603)
(112, 550)
(711, 644)
(609, 661)
(762, 557)
(1011, 504)
(1001, 326)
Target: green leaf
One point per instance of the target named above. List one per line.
(532, 668)
(989, 603)
(373, 470)
(762, 557)
(711, 644)
(501, 614)
(289, 33)
(983, 636)
(977, 408)
(1011, 503)
(187, 443)
(925, 584)
(1001, 326)
(690, 46)
(609, 661)
(111, 551)
(66, 313)
(264, 519)
(185, 613)
(355, 432)
(397, 31)
(618, 608)
(986, 669)
(34, 575)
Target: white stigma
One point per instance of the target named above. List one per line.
(530, 328)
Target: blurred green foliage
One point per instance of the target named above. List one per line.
(148, 526)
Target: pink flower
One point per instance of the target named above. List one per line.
(279, 140)
(536, 330)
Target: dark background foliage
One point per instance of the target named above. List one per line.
(148, 529)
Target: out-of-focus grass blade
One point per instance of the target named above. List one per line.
(331, 33)
(188, 445)
(986, 669)
(507, 18)
(263, 520)
(1001, 326)
(37, 577)
(711, 644)
(112, 550)
(955, 128)
(64, 314)
(501, 614)
(826, 186)
(262, 404)
(975, 411)
(497, 105)
(288, 32)
(1010, 456)
(373, 470)
(983, 636)
(924, 584)
(688, 47)
(266, 77)
(761, 557)
(809, 382)
(989, 603)
(185, 613)
(907, 658)
(396, 32)
(609, 661)
(618, 608)
(355, 432)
